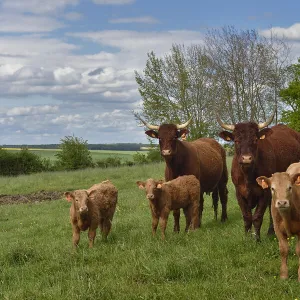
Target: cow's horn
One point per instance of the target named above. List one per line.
(265, 124)
(156, 127)
(225, 126)
(181, 126)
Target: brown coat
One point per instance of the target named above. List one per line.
(92, 208)
(285, 209)
(182, 192)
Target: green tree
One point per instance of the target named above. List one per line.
(74, 154)
(290, 96)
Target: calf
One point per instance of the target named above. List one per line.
(92, 208)
(182, 192)
(285, 209)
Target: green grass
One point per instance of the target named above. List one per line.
(215, 262)
(96, 154)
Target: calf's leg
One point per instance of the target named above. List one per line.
(298, 253)
(176, 215)
(76, 235)
(91, 235)
(284, 250)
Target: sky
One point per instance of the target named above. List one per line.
(67, 66)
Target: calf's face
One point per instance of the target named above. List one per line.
(281, 185)
(80, 199)
(152, 187)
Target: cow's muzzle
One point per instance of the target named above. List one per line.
(166, 152)
(83, 210)
(282, 204)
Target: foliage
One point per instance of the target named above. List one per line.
(74, 154)
(22, 162)
(290, 96)
(235, 73)
(114, 161)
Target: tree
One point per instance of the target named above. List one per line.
(235, 73)
(74, 154)
(290, 96)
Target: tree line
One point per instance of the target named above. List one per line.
(237, 74)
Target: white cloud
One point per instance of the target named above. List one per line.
(146, 20)
(27, 23)
(36, 6)
(113, 2)
(32, 110)
(65, 119)
(292, 32)
(73, 16)
(66, 76)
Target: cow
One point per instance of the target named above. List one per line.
(205, 158)
(182, 192)
(258, 151)
(285, 208)
(92, 208)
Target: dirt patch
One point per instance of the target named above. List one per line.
(30, 198)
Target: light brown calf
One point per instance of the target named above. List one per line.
(182, 192)
(285, 209)
(92, 208)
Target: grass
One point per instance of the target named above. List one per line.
(96, 154)
(215, 262)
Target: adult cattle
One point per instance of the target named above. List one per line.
(258, 151)
(205, 158)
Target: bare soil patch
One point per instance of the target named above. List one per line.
(30, 198)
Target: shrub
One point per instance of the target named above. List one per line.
(113, 161)
(74, 154)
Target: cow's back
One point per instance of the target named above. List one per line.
(278, 151)
(212, 163)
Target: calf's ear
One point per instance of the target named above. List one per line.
(182, 133)
(263, 181)
(141, 184)
(152, 133)
(69, 196)
(226, 136)
(296, 179)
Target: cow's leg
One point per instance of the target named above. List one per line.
(163, 220)
(188, 216)
(284, 250)
(195, 213)
(246, 212)
(154, 224)
(223, 193)
(76, 235)
(298, 253)
(215, 199)
(91, 235)
(176, 214)
(201, 202)
(106, 228)
(258, 216)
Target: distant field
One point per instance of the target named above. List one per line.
(96, 154)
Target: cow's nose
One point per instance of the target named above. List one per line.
(282, 203)
(150, 196)
(246, 159)
(83, 209)
(166, 152)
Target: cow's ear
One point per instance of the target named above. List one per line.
(296, 179)
(264, 182)
(226, 136)
(264, 133)
(182, 133)
(141, 184)
(152, 133)
(69, 196)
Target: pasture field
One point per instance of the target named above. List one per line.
(216, 261)
(96, 154)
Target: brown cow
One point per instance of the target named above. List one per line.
(258, 151)
(182, 192)
(285, 210)
(205, 158)
(92, 208)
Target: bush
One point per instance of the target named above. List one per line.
(22, 162)
(114, 161)
(74, 154)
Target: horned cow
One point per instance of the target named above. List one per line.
(92, 208)
(258, 151)
(182, 192)
(285, 210)
(204, 158)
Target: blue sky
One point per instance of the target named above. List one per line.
(67, 66)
